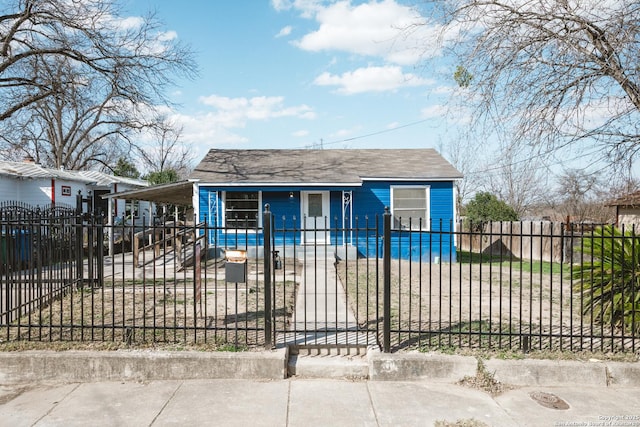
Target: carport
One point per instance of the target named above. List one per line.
(179, 193)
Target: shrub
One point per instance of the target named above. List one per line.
(487, 207)
(608, 278)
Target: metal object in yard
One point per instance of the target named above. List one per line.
(277, 261)
(236, 266)
(549, 400)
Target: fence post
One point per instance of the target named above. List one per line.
(100, 249)
(268, 319)
(79, 237)
(386, 271)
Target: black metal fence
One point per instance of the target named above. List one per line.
(71, 277)
(570, 288)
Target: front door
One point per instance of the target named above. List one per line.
(315, 211)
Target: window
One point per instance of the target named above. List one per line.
(315, 205)
(410, 207)
(241, 209)
(132, 209)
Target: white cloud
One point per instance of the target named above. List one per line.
(237, 111)
(300, 133)
(345, 133)
(128, 23)
(285, 31)
(384, 29)
(167, 36)
(459, 116)
(444, 90)
(307, 8)
(370, 79)
(218, 127)
(434, 111)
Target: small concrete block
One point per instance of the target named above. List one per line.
(329, 366)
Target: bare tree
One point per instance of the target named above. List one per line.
(77, 77)
(83, 124)
(581, 197)
(553, 72)
(462, 154)
(166, 151)
(518, 178)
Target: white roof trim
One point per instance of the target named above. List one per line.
(281, 184)
(411, 179)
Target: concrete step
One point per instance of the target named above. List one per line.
(329, 362)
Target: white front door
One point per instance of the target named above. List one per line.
(315, 211)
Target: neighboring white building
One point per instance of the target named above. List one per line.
(30, 183)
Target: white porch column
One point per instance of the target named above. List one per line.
(347, 216)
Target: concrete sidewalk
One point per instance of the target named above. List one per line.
(140, 388)
(308, 402)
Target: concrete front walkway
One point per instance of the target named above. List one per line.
(322, 315)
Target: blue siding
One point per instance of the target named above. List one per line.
(368, 204)
(373, 197)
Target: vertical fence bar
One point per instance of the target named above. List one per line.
(266, 219)
(386, 271)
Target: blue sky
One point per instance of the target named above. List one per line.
(300, 73)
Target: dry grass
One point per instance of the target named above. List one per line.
(473, 305)
(485, 381)
(156, 312)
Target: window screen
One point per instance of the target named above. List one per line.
(410, 207)
(241, 209)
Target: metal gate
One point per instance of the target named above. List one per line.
(323, 312)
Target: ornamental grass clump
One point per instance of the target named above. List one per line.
(607, 280)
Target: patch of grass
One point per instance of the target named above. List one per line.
(232, 348)
(485, 381)
(544, 267)
(466, 257)
(214, 345)
(509, 354)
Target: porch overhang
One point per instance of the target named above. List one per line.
(176, 193)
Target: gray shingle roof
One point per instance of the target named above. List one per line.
(321, 166)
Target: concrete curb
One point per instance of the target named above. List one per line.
(87, 366)
(518, 372)
(548, 372)
(420, 366)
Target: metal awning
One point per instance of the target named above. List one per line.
(175, 193)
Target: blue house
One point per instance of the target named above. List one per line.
(330, 197)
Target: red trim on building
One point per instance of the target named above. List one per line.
(115, 201)
(53, 191)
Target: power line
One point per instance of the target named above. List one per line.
(488, 170)
(353, 138)
(528, 159)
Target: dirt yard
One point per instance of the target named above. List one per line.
(154, 309)
(470, 301)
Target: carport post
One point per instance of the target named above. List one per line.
(386, 271)
(266, 220)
